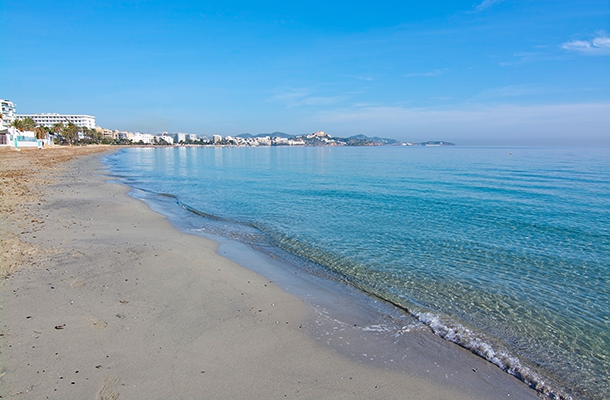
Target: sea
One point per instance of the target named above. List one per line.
(504, 251)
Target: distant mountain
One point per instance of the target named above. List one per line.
(279, 134)
(363, 140)
(386, 140)
(359, 137)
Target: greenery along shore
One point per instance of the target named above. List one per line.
(68, 133)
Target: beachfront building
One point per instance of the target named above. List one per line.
(111, 134)
(8, 116)
(180, 137)
(14, 138)
(10, 136)
(145, 138)
(48, 119)
(165, 137)
(8, 113)
(124, 135)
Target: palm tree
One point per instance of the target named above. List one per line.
(56, 130)
(70, 133)
(57, 127)
(90, 133)
(41, 132)
(28, 124)
(18, 124)
(96, 135)
(84, 132)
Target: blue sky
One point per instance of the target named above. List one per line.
(488, 72)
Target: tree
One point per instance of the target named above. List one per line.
(96, 135)
(18, 124)
(56, 128)
(41, 132)
(90, 135)
(70, 133)
(85, 132)
(28, 124)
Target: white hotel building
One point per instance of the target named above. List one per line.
(8, 112)
(52, 119)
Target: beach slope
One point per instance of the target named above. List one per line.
(103, 299)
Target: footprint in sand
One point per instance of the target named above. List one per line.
(97, 323)
(108, 390)
(78, 282)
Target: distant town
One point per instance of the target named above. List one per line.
(49, 129)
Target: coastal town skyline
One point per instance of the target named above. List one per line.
(491, 72)
(32, 130)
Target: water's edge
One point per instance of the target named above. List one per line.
(234, 238)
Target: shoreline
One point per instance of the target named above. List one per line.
(114, 302)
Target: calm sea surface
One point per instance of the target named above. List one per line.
(505, 254)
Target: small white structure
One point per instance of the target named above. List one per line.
(9, 136)
(26, 139)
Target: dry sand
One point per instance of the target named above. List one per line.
(103, 299)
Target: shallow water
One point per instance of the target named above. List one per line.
(504, 251)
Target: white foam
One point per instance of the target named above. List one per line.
(474, 342)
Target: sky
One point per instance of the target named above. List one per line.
(480, 72)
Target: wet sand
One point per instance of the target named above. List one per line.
(102, 298)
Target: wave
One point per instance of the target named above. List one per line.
(196, 211)
(469, 339)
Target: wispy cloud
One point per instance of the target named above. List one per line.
(296, 97)
(291, 95)
(434, 72)
(356, 77)
(512, 91)
(524, 57)
(361, 77)
(319, 101)
(486, 4)
(598, 46)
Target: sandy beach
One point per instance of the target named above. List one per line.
(102, 298)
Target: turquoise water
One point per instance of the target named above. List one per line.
(503, 251)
